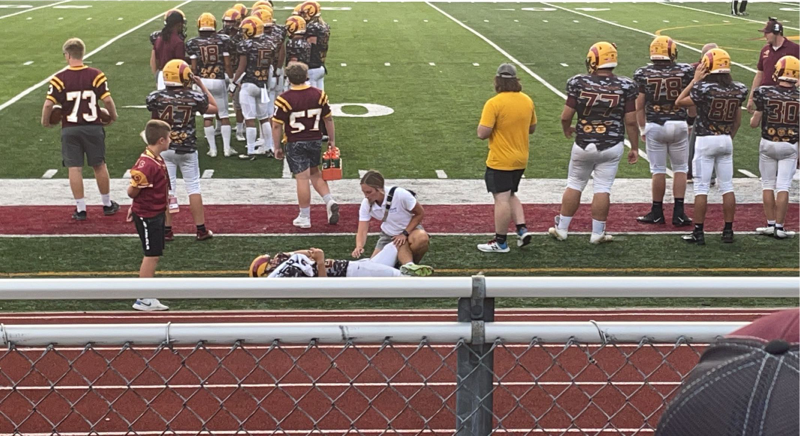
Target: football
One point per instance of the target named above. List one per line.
(105, 117)
(55, 116)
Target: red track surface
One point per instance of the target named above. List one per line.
(55, 220)
(336, 386)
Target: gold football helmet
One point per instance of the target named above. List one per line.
(309, 10)
(261, 3)
(206, 22)
(787, 69)
(177, 73)
(232, 17)
(717, 61)
(263, 14)
(296, 10)
(295, 26)
(601, 55)
(260, 266)
(241, 8)
(663, 48)
(251, 27)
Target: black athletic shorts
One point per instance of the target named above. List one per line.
(78, 141)
(302, 155)
(498, 181)
(151, 233)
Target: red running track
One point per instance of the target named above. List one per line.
(265, 388)
(256, 219)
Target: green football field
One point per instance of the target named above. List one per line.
(432, 64)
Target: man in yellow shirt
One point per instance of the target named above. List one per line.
(507, 120)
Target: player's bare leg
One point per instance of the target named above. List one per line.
(659, 186)
(781, 206)
(303, 199)
(768, 197)
(700, 204)
(148, 268)
(324, 191)
(570, 202)
(600, 204)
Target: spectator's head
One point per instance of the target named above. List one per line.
(745, 384)
(74, 49)
(372, 186)
(773, 31)
(506, 79)
(297, 72)
(156, 132)
(706, 49)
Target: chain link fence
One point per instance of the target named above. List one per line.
(353, 388)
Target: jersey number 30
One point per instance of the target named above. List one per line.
(299, 127)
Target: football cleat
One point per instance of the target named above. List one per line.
(178, 73)
(524, 238)
(149, 305)
(304, 222)
(681, 220)
(783, 234)
(251, 27)
(230, 152)
(698, 238)
(717, 61)
(600, 238)
(111, 210)
(787, 69)
(202, 236)
(766, 231)
(207, 23)
(295, 26)
(212, 152)
(601, 55)
(663, 48)
(652, 218)
(494, 247)
(727, 236)
(557, 233)
(240, 137)
(247, 156)
(414, 270)
(79, 216)
(333, 212)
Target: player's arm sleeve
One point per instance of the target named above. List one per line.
(630, 98)
(572, 93)
(488, 115)
(323, 102)
(758, 99)
(191, 51)
(363, 211)
(282, 110)
(100, 86)
(696, 93)
(55, 92)
(641, 83)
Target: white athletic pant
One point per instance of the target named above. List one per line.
(190, 170)
(382, 265)
(252, 106)
(316, 77)
(603, 163)
(777, 162)
(710, 153)
(670, 139)
(218, 89)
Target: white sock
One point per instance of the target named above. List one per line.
(563, 222)
(251, 133)
(81, 203)
(327, 198)
(779, 226)
(266, 132)
(106, 200)
(770, 222)
(598, 227)
(226, 137)
(305, 212)
(212, 141)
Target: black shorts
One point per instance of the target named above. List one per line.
(151, 233)
(498, 181)
(303, 155)
(78, 141)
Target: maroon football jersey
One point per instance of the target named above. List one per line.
(150, 175)
(301, 110)
(77, 90)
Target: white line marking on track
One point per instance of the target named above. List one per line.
(29, 18)
(28, 63)
(344, 64)
(717, 13)
(366, 21)
(127, 174)
(748, 174)
(207, 174)
(666, 21)
(387, 64)
(635, 21)
(60, 18)
(575, 21)
(475, 64)
(119, 19)
(695, 21)
(516, 21)
(89, 19)
(485, 21)
(287, 173)
(49, 174)
(33, 9)
(564, 65)
(433, 64)
(633, 29)
(545, 21)
(120, 63)
(361, 173)
(22, 94)
(396, 21)
(441, 174)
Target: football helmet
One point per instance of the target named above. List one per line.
(206, 22)
(601, 55)
(309, 10)
(260, 267)
(263, 14)
(177, 73)
(717, 61)
(295, 26)
(663, 48)
(251, 27)
(232, 17)
(296, 10)
(241, 8)
(787, 69)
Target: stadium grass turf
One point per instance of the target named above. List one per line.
(451, 255)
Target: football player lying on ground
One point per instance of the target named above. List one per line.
(305, 263)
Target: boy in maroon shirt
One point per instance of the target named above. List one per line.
(149, 190)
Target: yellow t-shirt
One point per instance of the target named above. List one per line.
(510, 115)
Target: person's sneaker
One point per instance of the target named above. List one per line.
(681, 220)
(169, 236)
(494, 247)
(652, 218)
(247, 156)
(111, 210)
(557, 233)
(698, 238)
(524, 238)
(240, 137)
(230, 152)
(766, 231)
(79, 216)
(414, 270)
(304, 222)
(333, 212)
(202, 236)
(212, 152)
(600, 238)
(727, 236)
(783, 234)
(269, 154)
(149, 305)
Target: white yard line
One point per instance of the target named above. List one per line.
(748, 174)
(28, 63)
(287, 173)
(49, 174)
(441, 174)
(127, 174)
(721, 14)
(361, 173)
(22, 94)
(33, 9)
(633, 29)
(207, 174)
(120, 63)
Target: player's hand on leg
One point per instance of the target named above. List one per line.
(633, 156)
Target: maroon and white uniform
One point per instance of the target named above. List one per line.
(780, 122)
